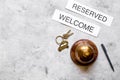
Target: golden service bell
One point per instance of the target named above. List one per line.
(83, 52)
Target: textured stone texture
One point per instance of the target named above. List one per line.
(27, 42)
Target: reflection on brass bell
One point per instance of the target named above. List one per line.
(84, 52)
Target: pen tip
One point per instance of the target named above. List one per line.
(113, 70)
(101, 44)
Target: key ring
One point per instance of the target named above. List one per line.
(58, 38)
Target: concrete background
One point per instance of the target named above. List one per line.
(27, 42)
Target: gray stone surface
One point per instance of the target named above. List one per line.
(27, 42)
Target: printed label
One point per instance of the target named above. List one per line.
(89, 12)
(75, 22)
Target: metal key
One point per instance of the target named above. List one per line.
(68, 34)
(64, 43)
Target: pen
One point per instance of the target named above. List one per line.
(105, 51)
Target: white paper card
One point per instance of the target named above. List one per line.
(89, 12)
(75, 22)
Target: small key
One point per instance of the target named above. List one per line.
(68, 34)
(63, 45)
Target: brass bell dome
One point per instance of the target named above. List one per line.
(84, 52)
